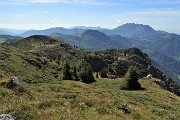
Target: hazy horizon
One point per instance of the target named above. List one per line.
(43, 14)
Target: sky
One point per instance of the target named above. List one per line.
(42, 14)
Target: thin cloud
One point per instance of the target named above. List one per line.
(75, 2)
(43, 12)
(151, 12)
(17, 16)
(163, 2)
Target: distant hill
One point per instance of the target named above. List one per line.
(68, 38)
(3, 32)
(95, 40)
(14, 31)
(52, 30)
(89, 39)
(166, 61)
(168, 44)
(166, 70)
(8, 38)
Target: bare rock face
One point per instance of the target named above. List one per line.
(7, 117)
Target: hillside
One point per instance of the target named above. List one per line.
(72, 100)
(137, 35)
(166, 61)
(167, 72)
(38, 62)
(8, 38)
(48, 53)
(115, 61)
(168, 44)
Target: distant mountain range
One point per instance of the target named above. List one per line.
(162, 47)
(3, 32)
(90, 27)
(14, 31)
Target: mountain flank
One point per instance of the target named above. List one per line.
(41, 64)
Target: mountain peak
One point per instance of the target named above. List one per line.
(95, 34)
(135, 30)
(135, 26)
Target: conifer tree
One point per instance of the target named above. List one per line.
(67, 72)
(75, 74)
(131, 80)
(103, 73)
(87, 74)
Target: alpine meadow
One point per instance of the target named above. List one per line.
(89, 60)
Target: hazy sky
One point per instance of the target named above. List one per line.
(40, 14)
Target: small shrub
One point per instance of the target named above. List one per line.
(124, 107)
(26, 113)
(69, 96)
(49, 104)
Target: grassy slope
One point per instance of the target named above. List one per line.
(102, 100)
(13, 62)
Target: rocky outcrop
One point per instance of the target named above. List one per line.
(163, 81)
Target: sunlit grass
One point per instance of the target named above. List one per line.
(102, 100)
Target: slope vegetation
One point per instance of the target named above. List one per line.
(38, 62)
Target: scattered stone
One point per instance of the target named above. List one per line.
(6, 117)
(149, 76)
(13, 82)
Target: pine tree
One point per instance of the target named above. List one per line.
(66, 72)
(103, 73)
(87, 74)
(131, 80)
(75, 74)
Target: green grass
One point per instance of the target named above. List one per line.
(101, 100)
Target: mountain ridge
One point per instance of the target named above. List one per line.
(137, 35)
(45, 49)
